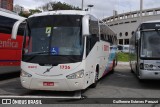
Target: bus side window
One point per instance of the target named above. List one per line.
(6, 24)
(103, 37)
(107, 38)
(91, 41)
(21, 29)
(110, 39)
(94, 34)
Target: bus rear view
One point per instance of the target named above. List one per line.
(146, 60)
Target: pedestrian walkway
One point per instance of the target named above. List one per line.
(123, 63)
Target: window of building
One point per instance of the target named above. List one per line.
(121, 41)
(121, 23)
(120, 34)
(4, 4)
(158, 12)
(132, 32)
(127, 22)
(133, 21)
(126, 41)
(126, 34)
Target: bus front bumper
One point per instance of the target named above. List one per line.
(57, 84)
(148, 74)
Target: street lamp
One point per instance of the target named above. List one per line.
(141, 9)
(90, 6)
(82, 4)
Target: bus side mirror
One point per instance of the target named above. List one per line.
(138, 35)
(15, 29)
(85, 25)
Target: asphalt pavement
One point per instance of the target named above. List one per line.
(121, 84)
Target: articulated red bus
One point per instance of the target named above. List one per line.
(10, 50)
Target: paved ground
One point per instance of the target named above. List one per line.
(121, 84)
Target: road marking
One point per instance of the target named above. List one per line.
(77, 95)
(73, 97)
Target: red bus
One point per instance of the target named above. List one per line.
(10, 50)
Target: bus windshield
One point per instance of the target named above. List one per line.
(54, 35)
(150, 44)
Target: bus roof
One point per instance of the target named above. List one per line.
(10, 14)
(61, 12)
(153, 21)
(150, 25)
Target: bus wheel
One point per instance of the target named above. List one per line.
(96, 78)
(131, 68)
(141, 80)
(112, 71)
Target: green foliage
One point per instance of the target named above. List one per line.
(59, 6)
(33, 11)
(123, 57)
(24, 14)
(55, 6)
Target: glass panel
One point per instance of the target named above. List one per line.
(55, 33)
(150, 44)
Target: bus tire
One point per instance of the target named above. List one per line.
(131, 68)
(96, 78)
(112, 71)
(141, 80)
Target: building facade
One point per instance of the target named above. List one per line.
(18, 9)
(6, 4)
(125, 24)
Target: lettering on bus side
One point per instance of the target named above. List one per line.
(65, 67)
(106, 48)
(32, 67)
(8, 44)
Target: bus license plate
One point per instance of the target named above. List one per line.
(48, 83)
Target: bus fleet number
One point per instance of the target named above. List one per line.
(65, 67)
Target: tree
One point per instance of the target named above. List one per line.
(54, 6)
(58, 6)
(31, 11)
(24, 14)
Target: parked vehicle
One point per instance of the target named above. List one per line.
(145, 51)
(66, 51)
(10, 50)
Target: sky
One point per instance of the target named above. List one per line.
(102, 8)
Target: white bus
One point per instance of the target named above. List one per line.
(10, 50)
(66, 51)
(145, 51)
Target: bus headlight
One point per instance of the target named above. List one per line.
(150, 66)
(76, 75)
(25, 74)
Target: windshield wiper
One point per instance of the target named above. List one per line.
(37, 53)
(51, 53)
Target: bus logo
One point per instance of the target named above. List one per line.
(157, 25)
